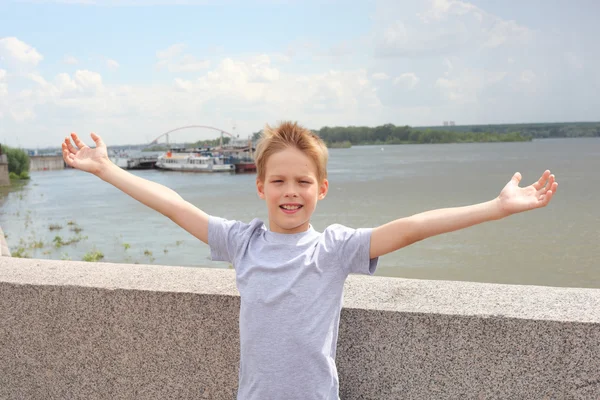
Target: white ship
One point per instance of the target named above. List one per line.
(194, 162)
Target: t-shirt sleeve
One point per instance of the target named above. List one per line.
(226, 238)
(352, 247)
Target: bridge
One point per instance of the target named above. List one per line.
(181, 128)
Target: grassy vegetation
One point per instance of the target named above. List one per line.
(34, 247)
(93, 256)
(58, 241)
(20, 253)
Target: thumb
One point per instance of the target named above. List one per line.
(97, 139)
(516, 178)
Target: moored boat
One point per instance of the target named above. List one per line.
(194, 162)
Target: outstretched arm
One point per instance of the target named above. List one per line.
(151, 194)
(513, 199)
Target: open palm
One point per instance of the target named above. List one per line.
(514, 199)
(83, 157)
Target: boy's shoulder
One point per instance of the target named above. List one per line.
(234, 228)
(341, 230)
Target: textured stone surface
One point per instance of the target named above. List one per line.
(109, 331)
(4, 177)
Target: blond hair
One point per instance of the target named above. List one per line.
(290, 134)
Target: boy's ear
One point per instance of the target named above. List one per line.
(260, 188)
(323, 188)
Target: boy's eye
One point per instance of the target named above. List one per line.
(277, 181)
(304, 182)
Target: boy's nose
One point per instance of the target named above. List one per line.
(291, 192)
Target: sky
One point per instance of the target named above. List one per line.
(131, 70)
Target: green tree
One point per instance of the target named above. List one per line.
(18, 160)
(256, 135)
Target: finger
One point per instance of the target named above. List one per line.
(542, 181)
(545, 199)
(516, 178)
(65, 152)
(77, 141)
(549, 184)
(97, 139)
(67, 155)
(70, 146)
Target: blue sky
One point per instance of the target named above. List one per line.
(130, 70)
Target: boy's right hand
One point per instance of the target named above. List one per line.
(82, 157)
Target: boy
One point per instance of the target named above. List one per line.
(291, 277)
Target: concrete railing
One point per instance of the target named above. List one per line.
(74, 330)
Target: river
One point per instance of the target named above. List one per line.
(369, 185)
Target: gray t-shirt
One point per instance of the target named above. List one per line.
(291, 288)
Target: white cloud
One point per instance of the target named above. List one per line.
(70, 60)
(407, 80)
(469, 85)
(188, 63)
(451, 87)
(444, 27)
(174, 61)
(3, 87)
(449, 66)
(527, 76)
(380, 76)
(112, 64)
(17, 53)
(253, 86)
(442, 9)
(37, 79)
(504, 31)
(170, 52)
(88, 81)
(21, 115)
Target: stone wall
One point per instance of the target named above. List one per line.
(46, 163)
(114, 331)
(4, 178)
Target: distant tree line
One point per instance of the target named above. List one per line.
(536, 131)
(347, 136)
(391, 134)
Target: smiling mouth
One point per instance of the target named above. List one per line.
(290, 208)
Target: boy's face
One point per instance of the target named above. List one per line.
(291, 190)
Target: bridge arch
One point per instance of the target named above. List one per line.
(223, 132)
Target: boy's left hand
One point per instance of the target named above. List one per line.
(514, 199)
